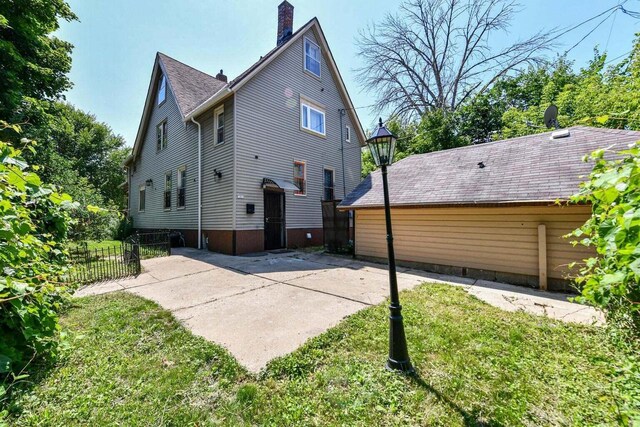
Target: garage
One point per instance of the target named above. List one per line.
(495, 211)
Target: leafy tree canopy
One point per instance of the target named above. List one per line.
(34, 63)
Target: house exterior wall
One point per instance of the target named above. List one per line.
(182, 150)
(151, 164)
(217, 193)
(269, 139)
(497, 243)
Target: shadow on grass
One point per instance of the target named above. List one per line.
(470, 418)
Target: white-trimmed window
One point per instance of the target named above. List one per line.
(328, 184)
(218, 125)
(347, 133)
(167, 190)
(182, 186)
(300, 177)
(161, 135)
(312, 117)
(311, 57)
(142, 192)
(162, 89)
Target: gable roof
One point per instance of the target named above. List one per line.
(190, 87)
(255, 68)
(196, 91)
(528, 169)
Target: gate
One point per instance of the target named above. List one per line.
(336, 228)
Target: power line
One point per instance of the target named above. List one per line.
(590, 32)
(613, 21)
(618, 57)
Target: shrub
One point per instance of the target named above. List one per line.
(610, 279)
(125, 228)
(34, 222)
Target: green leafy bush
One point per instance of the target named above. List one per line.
(34, 221)
(125, 228)
(610, 279)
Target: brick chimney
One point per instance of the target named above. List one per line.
(220, 76)
(285, 22)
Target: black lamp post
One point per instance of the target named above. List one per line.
(382, 145)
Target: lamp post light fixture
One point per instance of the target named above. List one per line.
(382, 145)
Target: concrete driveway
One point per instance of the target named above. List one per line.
(267, 305)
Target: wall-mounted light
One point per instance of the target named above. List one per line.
(149, 182)
(217, 173)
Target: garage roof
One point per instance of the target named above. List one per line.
(528, 169)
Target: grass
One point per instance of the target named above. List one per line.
(99, 245)
(129, 362)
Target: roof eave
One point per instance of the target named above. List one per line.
(209, 102)
(488, 203)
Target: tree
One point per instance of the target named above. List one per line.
(611, 280)
(34, 223)
(34, 63)
(76, 145)
(437, 54)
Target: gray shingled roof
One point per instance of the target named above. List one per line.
(189, 86)
(531, 168)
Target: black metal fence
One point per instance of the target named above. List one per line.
(90, 265)
(337, 228)
(152, 245)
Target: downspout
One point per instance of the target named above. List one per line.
(342, 112)
(199, 183)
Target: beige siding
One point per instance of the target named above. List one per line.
(503, 239)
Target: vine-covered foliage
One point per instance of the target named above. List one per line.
(34, 221)
(611, 279)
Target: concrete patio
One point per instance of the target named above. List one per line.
(267, 305)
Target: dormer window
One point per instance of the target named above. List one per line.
(311, 57)
(162, 90)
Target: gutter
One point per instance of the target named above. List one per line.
(199, 183)
(208, 103)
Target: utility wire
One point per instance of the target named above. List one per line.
(613, 21)
(590, 32)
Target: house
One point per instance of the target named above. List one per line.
(486, 211)
(242, 166)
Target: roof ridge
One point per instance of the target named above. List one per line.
(185, 64)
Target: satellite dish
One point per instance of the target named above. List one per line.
(551, 117)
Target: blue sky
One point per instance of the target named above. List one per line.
(116, 41)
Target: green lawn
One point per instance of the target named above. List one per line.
(102, 244)
(130, 363)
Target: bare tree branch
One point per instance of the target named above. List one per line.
(437, 54)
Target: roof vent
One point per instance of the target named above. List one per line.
(562, 133)
(481, 165)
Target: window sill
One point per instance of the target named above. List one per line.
(313, 132)
(312, 74)
(181, 208)
(300, 195)
(167, 209)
